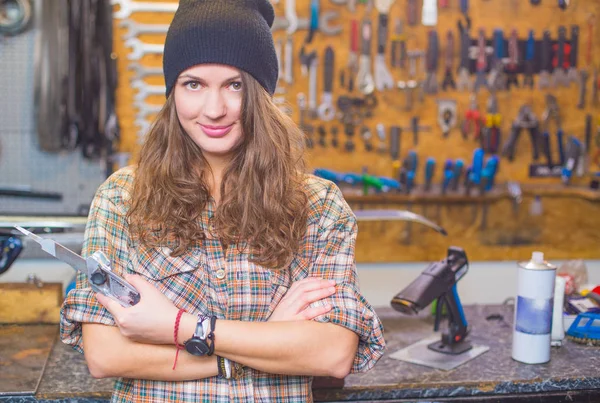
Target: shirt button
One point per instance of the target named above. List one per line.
(220, 274)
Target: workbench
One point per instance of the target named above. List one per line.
(573, 374)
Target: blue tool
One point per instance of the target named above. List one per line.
(448, 172)
(488, 173)
(10, 249)
(328, 174)
(410, 165)
(457, 171)
(574, 151)
(429, 171)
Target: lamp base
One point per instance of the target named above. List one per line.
(453, 349)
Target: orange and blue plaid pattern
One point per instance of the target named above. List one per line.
(232, 288)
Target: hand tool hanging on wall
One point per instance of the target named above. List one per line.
(497, 76)
(481, 64)
(288, 57)
(304, 126)
(572, 74)
(583, 80)
(364, 78)
(448, 61)
(398, 46)
(412, 12)
(383, 77)
(408, 88)
(572, 161)
(457, 171)
(488, 175)
(588, 133)
(429, 174)
(381, 136)
(464, 76)
(409, 173)
(395, 137)
(430, 85)
(327, 108)
(491, 134)
(10, 249)
(291, 23)
(546, 61)
(352, 65)
(559, 77)
(529, 57)
(314, 20)
(513, 60)
(429, 13)
(472, 120)
(415, 128)
(525, 120)
(446, 115)
(367, 136)
(552, 112)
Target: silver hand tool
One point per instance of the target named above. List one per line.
(325, 25)
(327, 108)
(290, 16)
(144, 71)
(397, 215)
(383, 77)
(97, 268)
(139, 48)
(364, 78)
(136, 28)
(288, 56)
(146, 89)
(126, 7)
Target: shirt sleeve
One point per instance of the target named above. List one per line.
(106, 230)
(335, 260)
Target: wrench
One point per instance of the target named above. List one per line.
(325, 25)
(312, 87)
(327, 109)
(128, 6)
(289, 60)
(136, 28)
(364, 78)
(278, 49)
(290, 17)
(383, 77)
(139, 48)
(145, 89)
(408, 88)
(583, 79)
(145, 110)
(144, 71)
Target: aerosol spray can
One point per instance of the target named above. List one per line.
(533, 310)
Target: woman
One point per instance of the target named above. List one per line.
(242, 261)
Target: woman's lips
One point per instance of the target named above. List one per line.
(216, 131)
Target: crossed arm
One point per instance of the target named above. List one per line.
(142, 345)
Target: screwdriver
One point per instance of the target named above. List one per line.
(456, 174)
(429, 172)
(410, 166)
(573, 154)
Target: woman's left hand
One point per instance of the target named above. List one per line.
(149, 321)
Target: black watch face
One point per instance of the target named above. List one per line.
(196, 347)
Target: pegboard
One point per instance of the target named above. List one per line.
(571, 209)
(22, 164)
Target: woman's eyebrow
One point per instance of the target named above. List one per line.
(192, 77)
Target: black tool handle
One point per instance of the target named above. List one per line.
(546, 148)
(535, 143)
(433, 51)
(588, 133)
(562, 37)
(395, 132)
(465, 43)
(328, 70)
(366, 37)
(382, 32)
(546, 51)
(574, 45)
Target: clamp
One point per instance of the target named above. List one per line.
(525, 120)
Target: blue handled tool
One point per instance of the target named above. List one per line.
(328, 174)
(574, 150)
(10, 249)
(429, 171)
(457, 172)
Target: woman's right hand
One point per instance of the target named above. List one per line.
(295, 303)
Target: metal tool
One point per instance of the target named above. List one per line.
(415, 128)
(383, 77)
(559, 77)
(447, 115)
(448, 61)
(398, 48)
(290, 17)
(127, 7)
(288, 57)
(572, 74)
(481, 65)
(472, 120)
(513, 60)
(327, 108)
(364, 79)
(140, 49)
(497, 77)
(525, 120)
(137, 28)
(326, 27)
(430, 84)
(381, 135)
(546, 64)
(573, 155)
(529, 60)
(408, 87)
(397, 215)
(144, 71)
(583, 79)
(97, 267)
(491, 134)
(145, 89)
(464, 76)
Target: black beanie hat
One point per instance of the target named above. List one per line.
(232, 32)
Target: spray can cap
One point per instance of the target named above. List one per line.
(537, 257)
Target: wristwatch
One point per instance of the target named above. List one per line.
(199, 344)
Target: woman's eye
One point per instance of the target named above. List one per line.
(236, 86)
(192, 85)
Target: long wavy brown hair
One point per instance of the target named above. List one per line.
(263, 198)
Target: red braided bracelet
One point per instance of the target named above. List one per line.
(175, 333)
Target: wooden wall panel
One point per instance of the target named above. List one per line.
(567, 212)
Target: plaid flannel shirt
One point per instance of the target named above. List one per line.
(247, 292)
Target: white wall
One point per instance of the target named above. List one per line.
(485, 283)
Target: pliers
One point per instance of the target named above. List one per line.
(472, 120)
(552, 112)
(525, 120)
